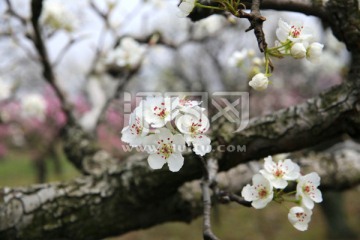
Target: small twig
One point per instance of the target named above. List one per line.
(256, 23)
(12, 12)
(226, 197)
(66, 48)
(210, 170)
(116, 95)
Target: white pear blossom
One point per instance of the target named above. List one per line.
(160, 110)
(55, 15)
(259, 82)
(134, 133)
(186, 7)
(185, 104)
(164, 147)
(258, 61)
(314, 52)
(208, 26)
(300, 217)
(307, 191)
(298, 50)
(294, 32)
(129, 53)
(157, 3)
(278, 173)
(5, 90)
(33, 105)
(193, 123)
(260, 193)
(237, 58)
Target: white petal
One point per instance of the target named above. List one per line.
(279, 183)
(175, 162)
(259, 179)
(155, 161)
(201, 150)
(313, 177)
(179, 143)
(307, 202)
(261, 203)
(269, 164)
(317, 197)
(248, 193)
(150, 143)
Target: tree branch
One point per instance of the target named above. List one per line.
(210, 171)
(75, 210)
(36, 8)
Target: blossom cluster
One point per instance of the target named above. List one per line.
(269, 186)
(297, 41)
(128, 54)
(163, 126)
(56, 16)
(33, 106)
(292, 40)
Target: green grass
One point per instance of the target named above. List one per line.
(18, 170)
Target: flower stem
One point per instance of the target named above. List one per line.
(209, 7)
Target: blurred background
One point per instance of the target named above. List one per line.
(83, 39)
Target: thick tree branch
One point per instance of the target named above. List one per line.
(124, 200)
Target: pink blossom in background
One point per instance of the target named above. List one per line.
(81, 105)
(3, 150)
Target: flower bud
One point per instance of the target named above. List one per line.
(259, 82)
(314, 52)
(298, 50)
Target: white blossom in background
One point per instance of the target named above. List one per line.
(186, 7)
(300, 217)
(278, 173)
(164, 147)
(56, 16)
(314, 52)
(307, 191)
(33, 105)
(193, 123)
(97, 97)
(237, 58)
(259, 82)
(160, 110)
(5, 90)
(258, 61)
(208, 26)
(134, 133)
(128, 54)
(260, 193)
